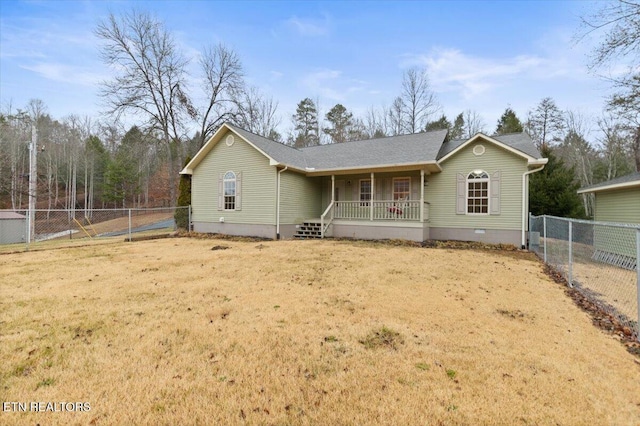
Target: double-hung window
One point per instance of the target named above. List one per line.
(229, 185)
(478, 192)
(401, 188)
(365, 192)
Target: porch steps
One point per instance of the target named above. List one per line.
(308, 230)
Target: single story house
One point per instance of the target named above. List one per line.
(417, 187)
(617, 201)
(13, 227)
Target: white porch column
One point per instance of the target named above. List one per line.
(333, 194)
(333, 188)
(373, 192)
(421, 195)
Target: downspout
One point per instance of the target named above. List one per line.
(278, 204)
(525, 196)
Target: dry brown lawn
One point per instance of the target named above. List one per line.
(302, 332)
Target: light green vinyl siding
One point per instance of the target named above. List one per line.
(441, 188)
(258, 191)
(299, 198)
(621, 206)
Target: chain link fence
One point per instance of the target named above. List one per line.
(52, 228)
(599, 259)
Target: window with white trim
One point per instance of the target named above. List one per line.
(401, 188)
(229, 185)
(478, 192)
(365, 192)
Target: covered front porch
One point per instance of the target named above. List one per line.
(376, 205)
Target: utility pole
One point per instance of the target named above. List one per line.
(33, 182)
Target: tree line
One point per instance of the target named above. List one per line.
(89, 164)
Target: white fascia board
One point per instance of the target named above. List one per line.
(623, 185)
(372, 167)
(538, 162)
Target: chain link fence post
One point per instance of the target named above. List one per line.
(129, 225)
(638, 281)
(544, 230)
(570, 254)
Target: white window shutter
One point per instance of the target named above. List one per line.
(221, 191)
(239, 191)
(461, 194)
(494, 188)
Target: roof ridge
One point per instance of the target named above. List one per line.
(375, 139)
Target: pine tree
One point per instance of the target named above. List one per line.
(341, 124)
(509, 123)
(546, 123)
(457, 130)
(440, 124)
(305, 122)
(184, 199)
(552, 191)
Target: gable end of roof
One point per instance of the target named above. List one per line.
(519, 144)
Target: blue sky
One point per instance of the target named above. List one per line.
(482, 56)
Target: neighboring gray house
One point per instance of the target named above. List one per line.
(414, 187)
(12, 227)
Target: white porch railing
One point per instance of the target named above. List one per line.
(325, 219)
(382, 210)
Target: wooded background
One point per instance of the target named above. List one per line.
(88, 162)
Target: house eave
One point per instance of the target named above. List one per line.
(430, 166)
(624, 185)
(537, 162)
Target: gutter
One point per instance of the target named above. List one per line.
(525, 196)
(278, 204)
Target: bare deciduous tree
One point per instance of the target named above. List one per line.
(375, 123)
(256, 113)
(149, 74)
(224, 86)
(419, 101)
(473, 123)
(545, 123)
(395, 117)
(620, 47)
(616, 150)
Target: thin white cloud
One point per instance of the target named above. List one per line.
(331, 85)
(451, 70)
(276, 75)
(65, 73)
(310, 27)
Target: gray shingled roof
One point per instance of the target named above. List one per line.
(633, 177)
(394, 150)
(280, 152)
(520, 141)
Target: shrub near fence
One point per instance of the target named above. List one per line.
(56, 226)
(599, 259)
